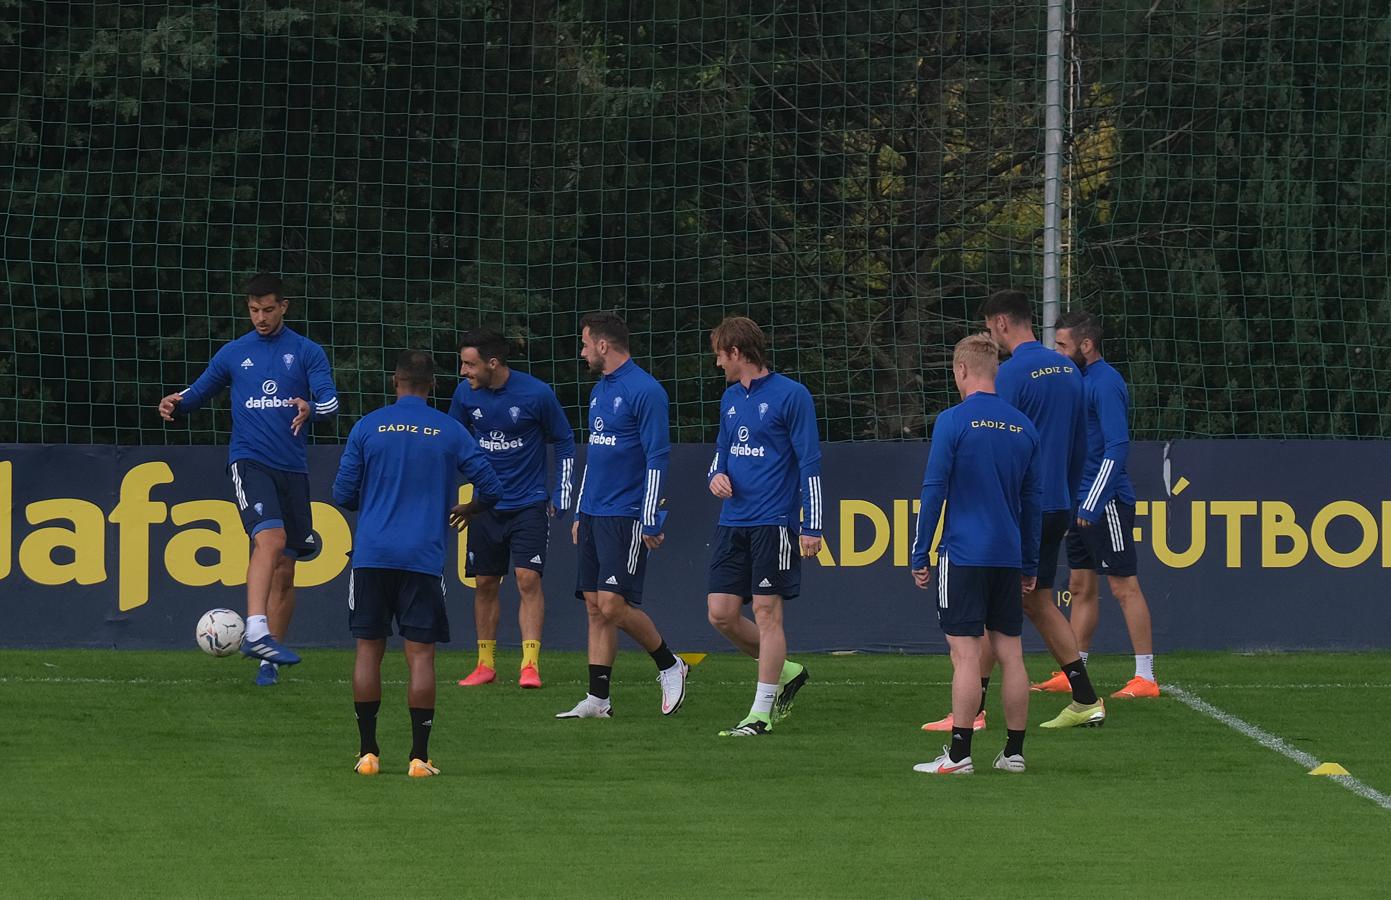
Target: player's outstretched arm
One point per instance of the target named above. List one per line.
(212, 382)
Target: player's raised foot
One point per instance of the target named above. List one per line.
(782, 703)
(754, 725)
(943, 765)
(1013, 763)
(590, 707)
(673, 681)
(944, 724)
(1079, 715)
(368, 764)
(529, 677)
(1136, 688)
(267, 674)
(480, 675)
(422, 768)
(269, 649)
(1057, 684)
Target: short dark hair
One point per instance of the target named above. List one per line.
(1013, 305)
(607, 326)
(416, 368)
(1082, 324)
(265, 283)
(743, 334)
(488, 343)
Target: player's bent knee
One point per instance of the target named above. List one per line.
(270, 540)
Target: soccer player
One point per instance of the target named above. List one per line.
(280, 381)
(767, 469)
(620, 516)
(984, 463)
(1102, 541)
(513, 416)
(401, 467)
(1045, 386)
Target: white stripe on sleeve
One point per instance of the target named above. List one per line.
(1099, 485)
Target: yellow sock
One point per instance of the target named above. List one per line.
(531, 653)
(486, 654)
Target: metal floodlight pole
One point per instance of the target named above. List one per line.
(1052, 170)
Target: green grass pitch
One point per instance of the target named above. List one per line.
(170, 774)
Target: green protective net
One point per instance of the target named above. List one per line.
(855, 176)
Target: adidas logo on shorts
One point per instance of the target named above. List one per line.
(765, 583)
(536, 559)
(612, 579)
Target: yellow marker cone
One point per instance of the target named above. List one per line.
(1328, 769)
(692, 659)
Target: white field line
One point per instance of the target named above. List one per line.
(841, 682)
(1271, 742)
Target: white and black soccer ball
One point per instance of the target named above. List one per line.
(220, 632)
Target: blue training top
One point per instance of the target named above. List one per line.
(1046, 386)
(629, 447)
(1108, 442)
(264, 373)
(769, 448)
(513, 423)
(984, 463)
(402, 465)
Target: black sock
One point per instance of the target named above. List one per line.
(1014, 742)
(599, 680)
(367, 726)
(663, 657)
(984, 686)
(422, 720)
(960, 744)
(1082, 690)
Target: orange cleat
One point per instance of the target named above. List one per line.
(945, 724)
(1136, 688)
(422, 768)
(1058, 684)
(368, 764)
(480, 675)
(529, 678)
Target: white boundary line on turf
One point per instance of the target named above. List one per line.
(1271, 742)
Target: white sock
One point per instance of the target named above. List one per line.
(763, 699)
(1144, 666)
(600, 701)
(256, 628)
(1083, 654)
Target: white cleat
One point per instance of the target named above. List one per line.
(1013, 763)
(943, 765)
(673, 682)
(590, 707)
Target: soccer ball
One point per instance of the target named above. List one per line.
(220, 632)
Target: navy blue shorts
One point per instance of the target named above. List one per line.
(273, 498)
(1108, 546)
(756, 559)
(613, 557)
(415, 600)
(500, 541)
(974, 599)
(1055, 525)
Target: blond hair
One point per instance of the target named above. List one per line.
(980, 353)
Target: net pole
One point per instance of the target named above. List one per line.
(1052, 169)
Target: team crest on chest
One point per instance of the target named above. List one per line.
(514, 411)
(289, 359)
(617, 402)
(762, 410)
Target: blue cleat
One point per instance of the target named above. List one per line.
(267, 674)
(270, 650)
